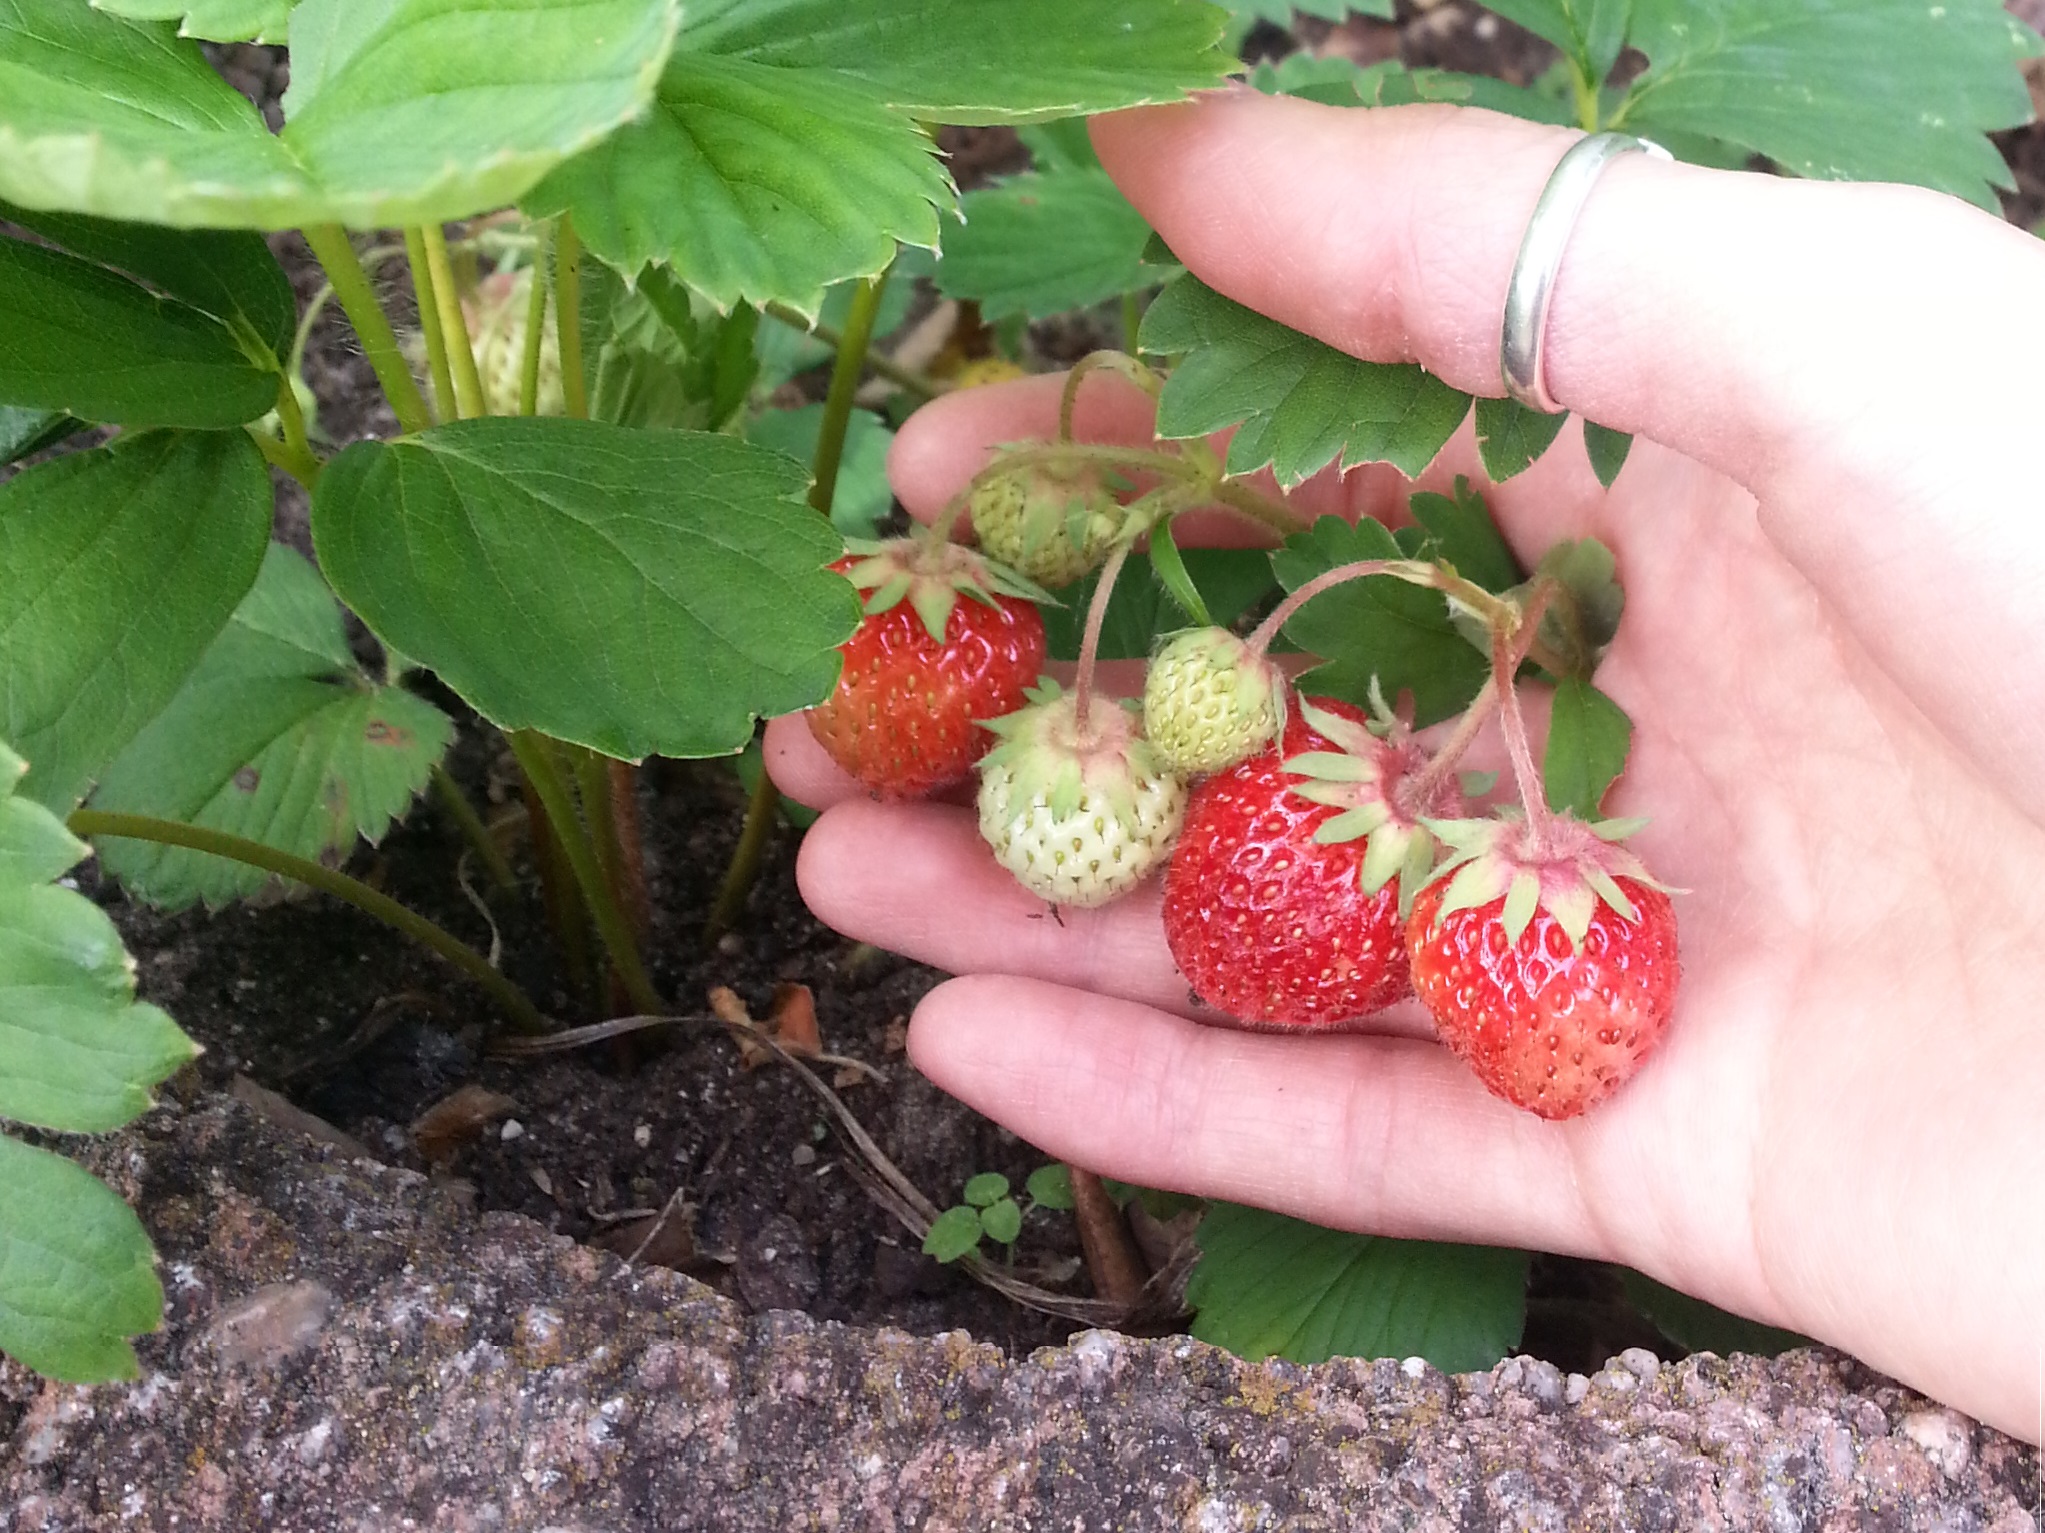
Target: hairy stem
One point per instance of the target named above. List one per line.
(845, 373)
(137, 827)
(1272, 515)
(473, 830)
(447, 298)
(426, 295)
(535, 328)
(922, 385)
(1417, 793)
(753, 837)
(1096, 615)
(1261, 637)
(568, 317)
(336, 256)
(1118, 362)
(1510, 640)
(593, 788)
(536, 757)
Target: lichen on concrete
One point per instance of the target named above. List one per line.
(349, 1347)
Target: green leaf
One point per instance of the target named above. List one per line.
(215, 21)
(122, 564)
(1379, 627)
(1051, 1186)
(1336, 81)
(980, 61)
(1041, 244)
(954, 1233)
(1588, 738)
(632, 591)
(1461, 533)
(24, 432)
(1590, 32)
(1230, 581)
(1267, 1285)
(1301, 403)
(755, 183)
(1699, 1327)
(1510, 436)
(1873, 90)
(1280, 12)
(1060, 144)
(863, 497)
(1169, 565)
(1002, 1221)
(79, 339)
(77, 1276)
(1607, 450)
(278, 737)
(399, 111)
(984, 1189)
(230, 275)
(76, 1052)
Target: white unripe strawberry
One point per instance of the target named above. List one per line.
(1079, 816)
(1050, 524)
(1208, 702)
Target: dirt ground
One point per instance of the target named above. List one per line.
(350, 1022)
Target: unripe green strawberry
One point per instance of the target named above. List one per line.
(1049, 524)
(496, 315)
(1078, 815)
(1209, 703)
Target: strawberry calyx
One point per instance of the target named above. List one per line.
(1363, 779)
(931, 574)
(1054, 755)
(1566, 866)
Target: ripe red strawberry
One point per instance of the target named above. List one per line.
(1552, 972)
(1265, 920)
(924, 666)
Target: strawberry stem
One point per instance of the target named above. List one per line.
(1096, 615)
(1510, 641)
(1118, 362)
(1408, 570)
(1416, 795)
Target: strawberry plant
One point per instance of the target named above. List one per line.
(587, 528)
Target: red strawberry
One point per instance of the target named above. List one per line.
(925, 666)
(1551, 973)
(1268, 922)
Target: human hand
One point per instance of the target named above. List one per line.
(1832, 555)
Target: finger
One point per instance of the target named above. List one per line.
(947, 442)
(1391, 234)
(1391, 1135)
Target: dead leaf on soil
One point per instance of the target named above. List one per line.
(456, 1120)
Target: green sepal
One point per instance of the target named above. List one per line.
(889, 595)
(1475, 884)
(1350, 824)
(1388, 854)
(933, 603)
(1573, 908)
(1608, 891)
(1522, 899)
(1331, 766)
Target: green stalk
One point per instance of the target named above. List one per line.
(922, 385)
(1585, 90)
(593, 787)
(424, 294)
(473, 830)
(568, 317)
(136, 827)
(845, 374)
(535, 330)
(350, 282)
(447, 298)
(302, 463)
(535, 754)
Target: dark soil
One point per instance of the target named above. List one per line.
(357, 1026)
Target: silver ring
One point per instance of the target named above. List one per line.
(1523, 339)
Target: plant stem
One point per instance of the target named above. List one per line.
(624, 787)
(473, 830)
(568, 317)
(136, 827)
(1411, 571)
(336, 255)
(1585, 90)
(447, 298)
(593, 788)
(425, 293)
(922, 385)
(535, 328)
(303, 464)
(1271, 515)
(1117, 362)
(845, 373)
(1508, 649)
(1096, 615)
(765, 803)
(753, 837)
(566, 914)
(1416, 794)
(536, 756)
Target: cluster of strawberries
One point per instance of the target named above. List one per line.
(1322, 866)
